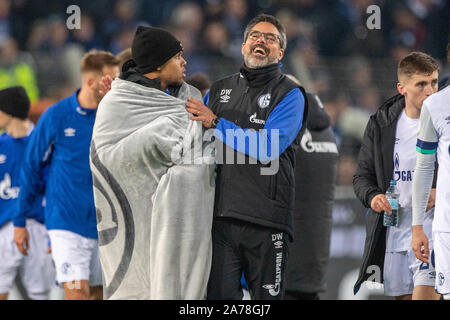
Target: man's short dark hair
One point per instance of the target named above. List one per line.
(416, 63)
(270, 19)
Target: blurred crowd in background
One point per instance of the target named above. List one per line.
(330, 49)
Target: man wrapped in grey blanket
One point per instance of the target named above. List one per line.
(153, 183)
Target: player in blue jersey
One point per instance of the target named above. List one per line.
(34, 266)
(61, 141)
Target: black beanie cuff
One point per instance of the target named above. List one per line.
(153, 67)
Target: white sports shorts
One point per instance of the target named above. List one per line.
(442, 260)
(403, 271)
(76, 258)
(35, 270)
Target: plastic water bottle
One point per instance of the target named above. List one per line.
(392, 195)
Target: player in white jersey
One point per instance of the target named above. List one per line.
(388, 153)
(433, 141)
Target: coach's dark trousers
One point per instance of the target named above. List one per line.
(259, 252)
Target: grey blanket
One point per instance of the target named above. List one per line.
(154, 206)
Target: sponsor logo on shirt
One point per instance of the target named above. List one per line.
(254, 120)
(69, 132)
(6, 191)
(264, 101)
(308, 145)
(225, 95)
(2, 158)
(401, 175)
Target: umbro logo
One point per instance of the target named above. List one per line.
(448, 119)
(225, 95)
(69, 132)
(278, 244)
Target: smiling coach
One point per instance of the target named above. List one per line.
(253, 211)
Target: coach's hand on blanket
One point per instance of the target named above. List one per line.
(200, 111)
(431, 199)
(21, 239)
(105, 85)
(420, 243)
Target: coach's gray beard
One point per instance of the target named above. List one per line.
(255, 63)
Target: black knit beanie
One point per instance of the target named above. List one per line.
(15, 102)
(152, 47)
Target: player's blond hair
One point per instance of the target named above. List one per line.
(95, 60)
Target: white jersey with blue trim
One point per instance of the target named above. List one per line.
(433, 141)
(399, 238)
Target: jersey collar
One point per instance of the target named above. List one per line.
(85, 112)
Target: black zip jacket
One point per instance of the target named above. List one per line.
(241, 191)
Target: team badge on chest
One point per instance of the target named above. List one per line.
(264, 101)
